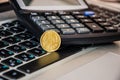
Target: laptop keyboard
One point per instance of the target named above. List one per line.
(17, 46)
(19, 50)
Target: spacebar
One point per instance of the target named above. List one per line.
(39, 63)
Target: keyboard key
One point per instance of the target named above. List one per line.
(3, 68)
(12, 40)
(16, 48)
(24, 36)
(77, 12)
(16, 29)
(68, 31)
(7, 25)
(12, 62)
(3, 44)
(2, 78)
(62, 26)
(71, 21)
(5, 53)
(78, 25)
(94, 27)
(83, 30)
(29, 44)
(25, 57)
(13, 74)
(5, 33)
(39, 63)
(37, 52)
(57, 21)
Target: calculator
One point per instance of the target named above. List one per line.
(76, 22)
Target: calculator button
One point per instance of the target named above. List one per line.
(3, 44)
(71, 21)
(100, 20)
(62, 26)
(63, 13)
(57, 21)
(77, 25)
(25, 57)
(5, 33)
(3, 67)
(57, 30)
(82, 30)
(16, 48)
(29, 44)
(36, 18)
(53, 17)
(37, 52)
(5, 53)
(67, 17)
(86, 20)
(81, 17)
(77, 12)
(94, 27)
(105, 24)
(68, 31)
(47, 27)
(12, 62)
(13, 74)
(12, 40)
(111, 29)
(2, 78)
(44, 22)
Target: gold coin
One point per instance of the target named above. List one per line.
(50, 41)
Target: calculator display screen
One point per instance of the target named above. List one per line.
(51, 2)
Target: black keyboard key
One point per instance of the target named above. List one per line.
(39, 63)
(3, 44)
(13, 74)
(5, 53)
(7, 25)
(68, 31)
(16, 48)
(16, 29)
(111, 29)
(81, 17)
(12, 40)
(5, 33)
(94, 27)
(3, 67)
(29, 44)
(25, 57)
(12, 62)
(37, 52)
(24, 36)
(83, 30)
(36, 18)
(2, 78)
